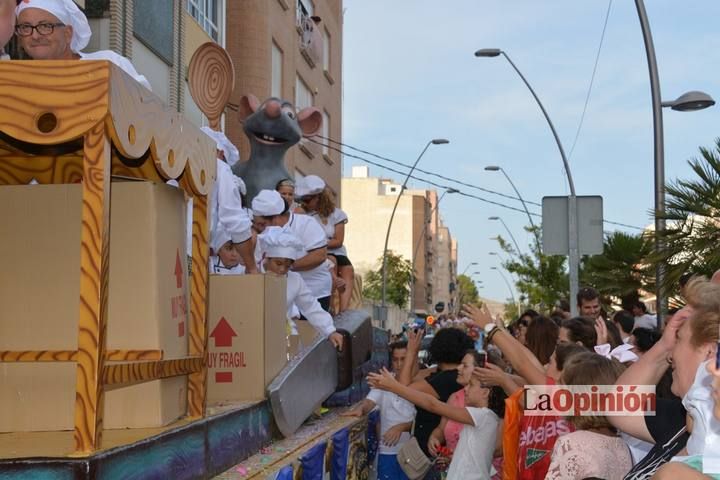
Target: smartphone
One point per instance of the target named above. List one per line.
(483, 359)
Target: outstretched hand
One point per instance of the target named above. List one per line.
(414, 341)
(601, 331)
(480, 316)
(384, 380)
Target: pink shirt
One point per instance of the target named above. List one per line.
(453, 428)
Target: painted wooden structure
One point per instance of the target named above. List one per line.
(85, 121)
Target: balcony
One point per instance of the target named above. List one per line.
(311, 41)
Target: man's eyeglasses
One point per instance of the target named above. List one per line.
(25, 29)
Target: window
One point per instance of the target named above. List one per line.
(304, 8)
(303, 95)
(325, 132)
(326, 50)
(277, 61)
(153, 25)
(207, 13)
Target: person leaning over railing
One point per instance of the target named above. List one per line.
(59, 30)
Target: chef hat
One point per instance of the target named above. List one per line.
(232, 155)
(310, 185)
(68, 13)
(268, 203)
(219, 237)
(240, 184)
(276, 242)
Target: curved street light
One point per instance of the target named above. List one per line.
(687, 102)
(573, 252)
(508, 231)
(496, 168)
(512, 295)
(437, 141)
(469, 265)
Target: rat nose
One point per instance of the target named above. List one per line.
(272, 109)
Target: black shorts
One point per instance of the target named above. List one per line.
(342, 260)
(324, 304)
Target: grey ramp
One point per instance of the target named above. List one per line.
(311, 377)
(302, 386)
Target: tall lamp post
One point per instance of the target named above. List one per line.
(417, 245)
(495, 168)
(573, 252)
(684, 103)
(469, 265)
(436, 141)
(512, 295)
(512, 237)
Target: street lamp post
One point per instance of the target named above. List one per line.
(437, 141)
(469, 265)
(512, 237)
(417, 245)
(512, 295)
(495, 168)
(687, 102)
(573, 252)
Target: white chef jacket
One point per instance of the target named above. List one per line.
(312, 236)
(336, 217)
(120, 61)
(218, 268)
(227, 215)
(299, 294)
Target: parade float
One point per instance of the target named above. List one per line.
(117, 359)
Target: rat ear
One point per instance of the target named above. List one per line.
(310, 121)
(248, 105)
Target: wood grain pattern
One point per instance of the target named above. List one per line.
(29, 356)
(81, 94)
(211, 79)
(38, 356)
(76, 93)
(94, 274)
(128, 355)
(125, 374)
(197, 333)
(140, 121)
(20, 170)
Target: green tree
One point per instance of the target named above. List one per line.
(692, 212)
(619, 271)
(541, 279)
(467, 291)
(399, 277)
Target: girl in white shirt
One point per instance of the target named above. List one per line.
(280, 249)
(317, 201)
(472, 459)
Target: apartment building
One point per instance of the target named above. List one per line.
(417, 235)
(291, 49)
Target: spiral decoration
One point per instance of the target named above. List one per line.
(211, 78)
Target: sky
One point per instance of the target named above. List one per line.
(409, 75)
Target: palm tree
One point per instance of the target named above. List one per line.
(618, 272)
(691, 240)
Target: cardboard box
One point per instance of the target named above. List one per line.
(40, 291)
(247, 343)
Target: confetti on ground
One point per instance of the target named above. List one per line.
(241, 470)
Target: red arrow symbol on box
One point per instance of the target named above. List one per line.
(178, 269)
(223, 333)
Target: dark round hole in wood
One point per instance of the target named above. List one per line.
(47, 122)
